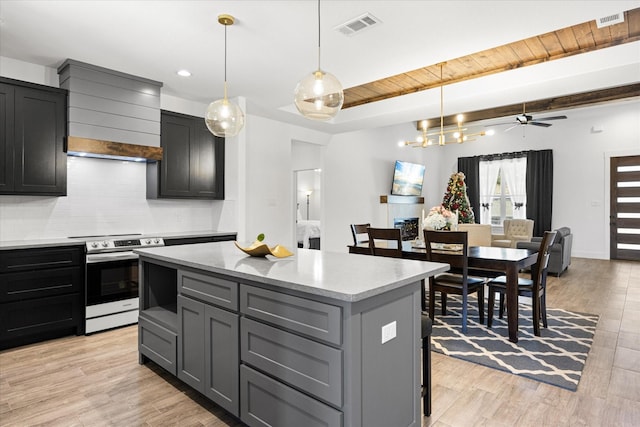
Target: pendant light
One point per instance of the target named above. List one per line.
(223, 117)
(319, 95)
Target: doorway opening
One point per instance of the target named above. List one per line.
(308, 208)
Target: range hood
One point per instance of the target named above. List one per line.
(86, 147)
(112, 115)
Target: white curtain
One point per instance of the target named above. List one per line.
(488, 171)
(514, 173)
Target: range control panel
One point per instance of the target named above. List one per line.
(122, 245)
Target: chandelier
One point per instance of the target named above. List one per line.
(444, 136)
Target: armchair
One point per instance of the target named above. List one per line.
(515, 230)
(559, 251)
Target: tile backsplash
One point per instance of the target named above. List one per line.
(103, 197)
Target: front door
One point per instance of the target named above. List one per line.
(625, 208)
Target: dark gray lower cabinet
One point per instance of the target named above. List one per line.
(267, 403)
(191, 342)
(208, 351)
(221, 358)
(308, 365)
(158, 320)
(41, 294)
(158, 343)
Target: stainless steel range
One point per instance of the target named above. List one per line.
(112, 280)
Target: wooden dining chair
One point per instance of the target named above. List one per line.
(534, 287)
(358, 231)
(452, 247)
(385, 242)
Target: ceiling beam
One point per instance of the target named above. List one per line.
(574, 40)
(556, 103)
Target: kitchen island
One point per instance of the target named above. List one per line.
(316, 339)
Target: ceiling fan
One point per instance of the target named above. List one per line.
(526, 119)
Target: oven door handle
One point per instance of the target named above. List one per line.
(111, 257)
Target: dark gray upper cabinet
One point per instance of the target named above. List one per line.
(33, 119)
(192, 165)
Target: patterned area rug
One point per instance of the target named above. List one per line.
(556, 357)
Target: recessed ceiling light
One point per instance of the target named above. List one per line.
(184, 73)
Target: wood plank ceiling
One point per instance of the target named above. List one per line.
(574, 40)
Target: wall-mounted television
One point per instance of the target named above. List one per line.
(407, 179)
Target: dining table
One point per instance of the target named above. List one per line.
(485, 261)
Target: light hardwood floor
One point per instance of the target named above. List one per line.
(96, 380)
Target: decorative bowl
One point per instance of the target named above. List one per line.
(259, 249)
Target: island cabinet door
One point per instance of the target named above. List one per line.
(270, 403)
(191, 342)
(222, 383)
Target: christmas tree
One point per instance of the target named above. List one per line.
(456, 199)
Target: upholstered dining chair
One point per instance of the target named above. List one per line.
(451, 247)
(385, 242)
(478, 234)
(358, 231)
(534, 287)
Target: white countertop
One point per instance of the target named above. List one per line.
(66, 241)
(342, 276)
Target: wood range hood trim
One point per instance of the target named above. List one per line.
(86, 147)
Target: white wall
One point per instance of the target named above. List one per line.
(268, 181)
(28, 72)
(358, 169)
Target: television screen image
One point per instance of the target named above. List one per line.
(407, 179)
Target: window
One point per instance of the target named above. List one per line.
(501, 206)
(503, 192)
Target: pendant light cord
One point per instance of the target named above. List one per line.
(225, 61)
(318, 34)
(225, 53)
(441, 104)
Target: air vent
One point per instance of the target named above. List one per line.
(607, 21)
(357, 25)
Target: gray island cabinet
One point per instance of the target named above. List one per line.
(316, 339)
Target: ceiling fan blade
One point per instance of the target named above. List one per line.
(514, 126)
(552, 118)
(545, 125)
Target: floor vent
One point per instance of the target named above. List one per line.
(607, 21)
(357, 25)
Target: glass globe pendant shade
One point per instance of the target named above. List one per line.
(224, 118)
(319, 96)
